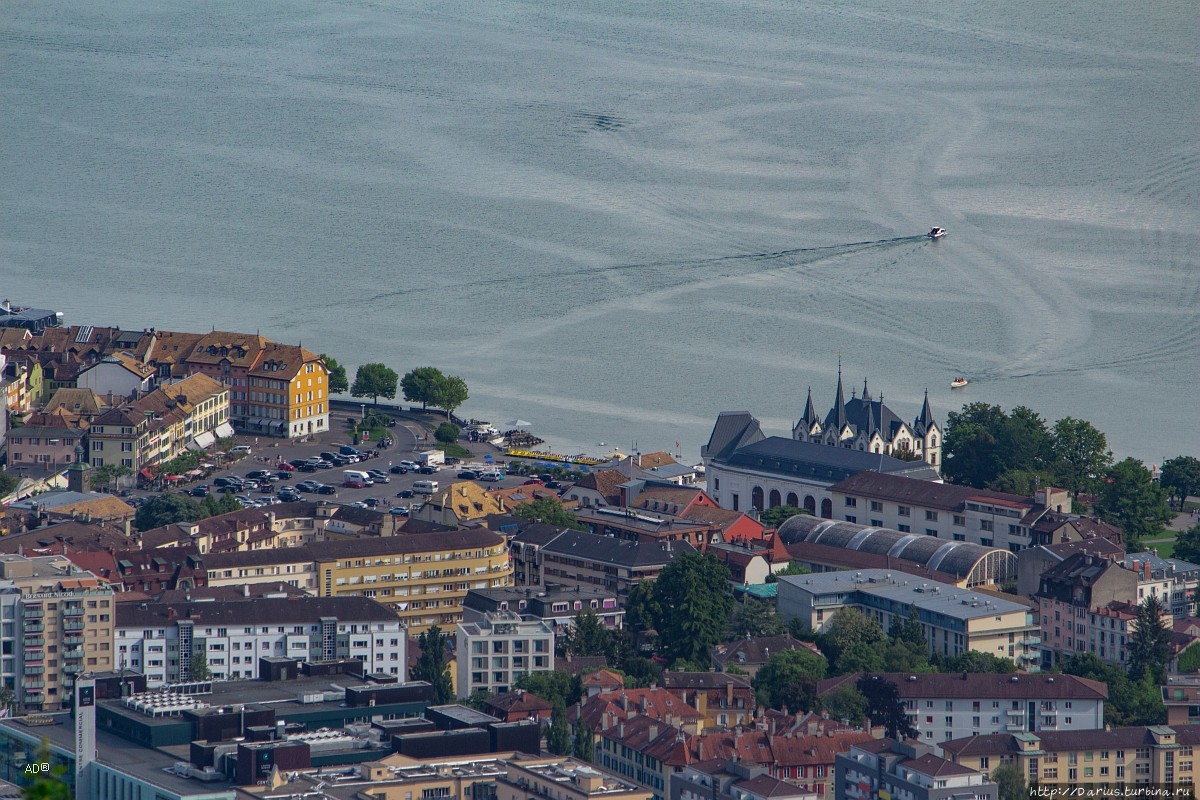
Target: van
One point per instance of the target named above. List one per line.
(357, 476)
(492, 476)
(425, 487)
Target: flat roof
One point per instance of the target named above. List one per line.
(464, 714)
(901, 588)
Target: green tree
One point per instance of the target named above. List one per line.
(1079, 453)
(1023, 442)
(339, 383)
(549, 510)
(419, 385)
(587, 636)
(450, 394)
(908, 629)
(1131, 499)
(974, 661)
(884, 706)
(847, 628)
(583, 746)
(641, 612)
(432, 666)
(50, 785)
(694, 601)
(1187, 545)
(1181, 477)
(902, 656)
(753, 617)
(199, 670)
(845, 702)
(1010, 783)
(792, 568)
(970, 446)
(1189, 660)
(167, 509)
(8, 484)
(553, 684)
(789, 678)
(1022, 481)
(859, 657)
(774, 517)
(1130, 702)
(375, 381)
(1150, 645)
(446, 433)
(106, 476)
(558, 739)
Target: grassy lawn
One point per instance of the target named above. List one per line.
(453, 450)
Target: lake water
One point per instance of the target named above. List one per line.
(617, 219)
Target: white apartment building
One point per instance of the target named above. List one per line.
(950, 706)
(161, 639)
(947, 511)
(492, 653)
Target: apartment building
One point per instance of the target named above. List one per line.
(161, 640)
(885, 768)
(950, 706)
(570, 557)
(947, 511)
(723, 699)
(57, 622)
(493, 652)
(247, 529)
(728, 779)
(954, 620)
(555, 605)
(563, 779)
(1130, 757)
(46, 442)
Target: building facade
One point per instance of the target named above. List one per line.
(885, 769)
(494, 652)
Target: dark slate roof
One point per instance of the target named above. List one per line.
(703, 680)
(1080, 570)
(766, 786)
(518, 702)
(463, 539)
(1099, 546)
(1060, 741)
(263, 611)
(976, 685)
(821, 462)
(935, 767)
(534, 533)
(756, 649)
(734, 429)
(73, 535)
(609, 550)
(901, 489)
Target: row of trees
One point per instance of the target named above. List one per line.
(425, 385)
(1017, 452)
(167, 509)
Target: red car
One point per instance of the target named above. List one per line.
(285, 466)
(535, 482)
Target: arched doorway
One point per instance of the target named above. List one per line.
(792, 500)
(756, 498)
(810, 505)
(827, 508)
(776, 499)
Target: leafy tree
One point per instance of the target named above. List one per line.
(908, 630)
(641, 611)
(549, 510)
(789, 678)
(792, 568)
(847, 628)
(884, 706)
(549, 685)
(1187, 545)
(339, 383)
(432, 666)
(446, 433)
(1079, 452)
(1022, 481)
(1150, 645)
(974, 661)
(1181, 477)
(583, 746)
(1023, 442)
(108, 474)
(199, 670)
(166, 509)
(1130, 702)
(970, 447)
(419, 385)
(774, 517)
(1131, 499)
(859, 657)
(478, 700)
(846, 702)
(8, 484)
(694, 602)
(450, 394)
(1189, 660)
(558, 739)
(902, 656)
(1010, 783)
(587, 636)
(375, 381)
(50, 785)
(753, 617)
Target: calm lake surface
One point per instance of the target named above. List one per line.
(617, 219)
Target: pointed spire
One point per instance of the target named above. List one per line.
(839, 403)
(810, 412)
(866, 396)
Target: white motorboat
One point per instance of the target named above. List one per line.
(936, 233)
(958, 383)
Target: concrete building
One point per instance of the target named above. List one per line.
(729, 779)
(495, 651)
(723, 699)
(58, 622)
(1081, 760)
(119, 374)
(947, 511)
(747, 470)
(887, 769)
(1033, 561)
(950, 706)
(954, 620)
(564, 779)
(556, 605)
(161, 640)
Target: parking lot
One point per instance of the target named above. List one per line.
(266, 457)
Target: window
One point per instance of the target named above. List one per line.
(876, 505)
(986, 525)
(960, 520)
(903, 511)
(931, 516)
(851, 518)
(903, 528)
(851, 502)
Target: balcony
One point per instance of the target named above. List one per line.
(34, 641)
(72, 625)
(34, 627)
(1015, 712)
(70, 641)
(35, 670)
(34, 612)
(73, 669)
(34, 655)
(72, 611)
(75, 652)
(1031, 641)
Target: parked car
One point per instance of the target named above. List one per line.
(347, 450)
(307, 468)
(288, 495)
(405, 493)
(337, 460)
(200, 491)
(258, 474)
(534, 482)
(307, 486)
(286, 466)
(240, 449)
(427, 469)
(243, 499)
(371, 502)
(324, 464)
(399, 511)
(410, 465)
(492, 476)
(282, 475)
(298, 462)
(224, 481)
(468, 474)
(379, 476)
(326, 489)
(328, 456)
(553, 485)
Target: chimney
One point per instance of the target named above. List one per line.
(245, 590)
(172, 613)
(652, 733)
(729, 691)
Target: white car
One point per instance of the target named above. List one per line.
(241, 448)
(409, 465)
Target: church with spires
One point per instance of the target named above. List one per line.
(864, 423)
